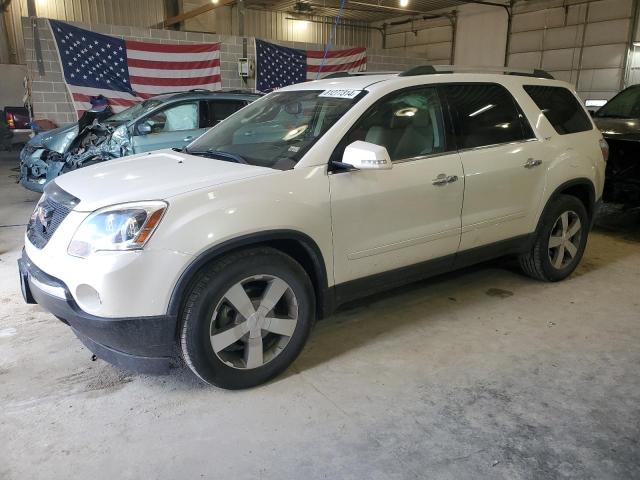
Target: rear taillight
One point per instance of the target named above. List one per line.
(604, 147)
(10, 121)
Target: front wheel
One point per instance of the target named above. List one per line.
(560, 240)
(246, 318)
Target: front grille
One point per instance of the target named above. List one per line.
(49, 214)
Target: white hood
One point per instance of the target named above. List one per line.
(150, 176)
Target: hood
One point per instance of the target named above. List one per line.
(57, 139)
(619, 128)
(150, 176)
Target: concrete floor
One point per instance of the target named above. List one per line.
(477, 374)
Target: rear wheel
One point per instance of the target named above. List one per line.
(247, 318)
(560, 240)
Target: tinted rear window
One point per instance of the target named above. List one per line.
(486, 114)
(560, 107)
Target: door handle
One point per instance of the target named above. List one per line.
(530, 163)
(443, 179)
(187, 139)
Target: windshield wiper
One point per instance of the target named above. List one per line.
(234, 157)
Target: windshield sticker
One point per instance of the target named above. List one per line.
(294, 149)
(340, 93)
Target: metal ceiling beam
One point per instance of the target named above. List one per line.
(195, 12)
(386, 7)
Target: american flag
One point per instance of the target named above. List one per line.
(126, 71)
(281, 66)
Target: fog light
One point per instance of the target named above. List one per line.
(87, 296)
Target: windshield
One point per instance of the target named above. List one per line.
(277, 130)
(624, 105)
(134, 112)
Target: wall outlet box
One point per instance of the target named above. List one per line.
(246, 68)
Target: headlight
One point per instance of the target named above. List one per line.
(127, 226)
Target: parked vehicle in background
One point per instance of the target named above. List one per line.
(619, 122)
(316, 194)
(17, 121)
(164, 121)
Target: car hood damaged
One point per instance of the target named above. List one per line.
(58, 151)
(96, 143)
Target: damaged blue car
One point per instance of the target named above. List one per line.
(165, 121)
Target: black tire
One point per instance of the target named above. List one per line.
(209, 290)
(537, 262)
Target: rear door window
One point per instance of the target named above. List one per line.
(485, 114)
(218, 110)
(560, 107)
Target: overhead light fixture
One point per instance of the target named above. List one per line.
(300, 25)
(215, 2)
(404, 3)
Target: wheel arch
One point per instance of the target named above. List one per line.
(581, 188)
(297, 245)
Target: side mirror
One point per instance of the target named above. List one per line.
(144, 128)
(366, 156)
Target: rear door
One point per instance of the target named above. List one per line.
(176, 125)
(385, 220)
(503, 161)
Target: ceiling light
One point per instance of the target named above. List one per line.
(300, 25)
(404, 3)
(215, 2)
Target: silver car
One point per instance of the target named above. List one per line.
(165, 121)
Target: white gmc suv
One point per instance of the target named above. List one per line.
(225, 253)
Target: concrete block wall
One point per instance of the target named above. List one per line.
(584, 44)
(50, 97)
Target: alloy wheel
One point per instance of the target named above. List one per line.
(564, 241)
(253, 322)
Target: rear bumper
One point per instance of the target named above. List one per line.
(141, 344)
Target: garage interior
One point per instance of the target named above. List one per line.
(480, 373)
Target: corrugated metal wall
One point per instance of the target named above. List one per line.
(431, 39)
(272, 25)
(138, 13)
(585, 44)
(280, 26)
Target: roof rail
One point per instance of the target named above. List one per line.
(433, 69)
(357, 74)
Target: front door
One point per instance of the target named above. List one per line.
(388, 219)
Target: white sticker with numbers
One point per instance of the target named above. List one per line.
(340, 93)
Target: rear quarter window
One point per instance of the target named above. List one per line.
(561, 108)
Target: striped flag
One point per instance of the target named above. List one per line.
(126, 71)
(281, 66)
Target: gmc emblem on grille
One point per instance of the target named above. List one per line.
(45, 214)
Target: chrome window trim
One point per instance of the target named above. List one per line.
(424, 157)
(463, 150)
(493, 145)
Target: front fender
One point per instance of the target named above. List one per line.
(290, 205)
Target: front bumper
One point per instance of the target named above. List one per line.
(141, 344)
(35, 172)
